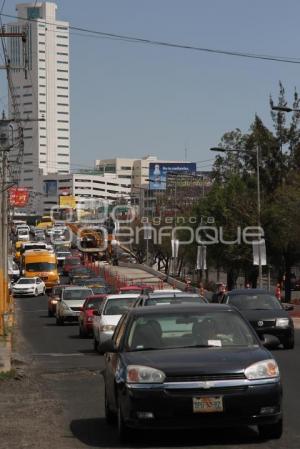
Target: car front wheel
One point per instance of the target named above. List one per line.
(289, 343)
(109, 415)
(125, 433)
(59, 321)
(271, 431)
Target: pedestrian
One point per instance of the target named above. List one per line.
(219, 295)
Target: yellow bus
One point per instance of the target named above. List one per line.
(45, 222)
(41, 263)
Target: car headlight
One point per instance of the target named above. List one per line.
(282, 322)
(144, 374)
(107, 327)
(266, 369)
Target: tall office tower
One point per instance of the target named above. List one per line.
(44, 93)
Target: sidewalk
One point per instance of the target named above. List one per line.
(5, 354)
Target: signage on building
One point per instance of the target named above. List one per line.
(18, 196)
(67, 201)
(158, 172)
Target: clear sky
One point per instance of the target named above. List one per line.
(130, 100)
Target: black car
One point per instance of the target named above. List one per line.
(190, 366)
(265, 313)
(151, 299)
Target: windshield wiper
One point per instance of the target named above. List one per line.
(200, 346)
(147, 349)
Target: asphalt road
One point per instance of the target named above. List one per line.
(71, 372)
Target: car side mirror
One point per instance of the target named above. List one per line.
(96, 313)
(107, 346)
(270, 341)
(288, 307)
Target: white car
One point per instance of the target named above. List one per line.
(70, 304)
(29, 287)
(106, 319)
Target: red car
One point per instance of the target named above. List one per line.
(135, 289)
(70, 263)
(91, 303)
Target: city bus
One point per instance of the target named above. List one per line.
(41, 263)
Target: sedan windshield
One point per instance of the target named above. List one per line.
(254, 302)
(40, 266)
(69, 295)
(118, 306)
(93, 303)
(186, 330)
(25, 281)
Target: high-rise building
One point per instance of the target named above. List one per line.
(44, 93)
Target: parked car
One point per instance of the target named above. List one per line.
(107, 318)
(175, 298)
(265, 313)
(86, 316)
(191, 366)
(53, 298)
(71, 262)
(71, 301)
(29, 287)
(13, 269)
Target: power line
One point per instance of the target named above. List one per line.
(2, 6)
(176, 45)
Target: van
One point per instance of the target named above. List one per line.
(23, 234)
(41, 263)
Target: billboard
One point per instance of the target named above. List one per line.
(158, 172)
(67, 201)
(50, 187)
(18, 196)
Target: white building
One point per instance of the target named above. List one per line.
(134, 170)
(86, 188)
(45, 92)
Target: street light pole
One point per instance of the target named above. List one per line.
(258, 215)
(223, 150)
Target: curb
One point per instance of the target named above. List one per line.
(5, 355)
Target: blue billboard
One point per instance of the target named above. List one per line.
(158, 172)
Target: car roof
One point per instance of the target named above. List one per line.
(31, 277)
(97, 296)
(247, 291)
(190, 307)
(77, 287)
(122, 296)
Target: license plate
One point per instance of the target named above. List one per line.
(208, 404)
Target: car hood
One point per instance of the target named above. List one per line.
(194, 361)
(74, 302)
(110, 319)
(254, 315)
